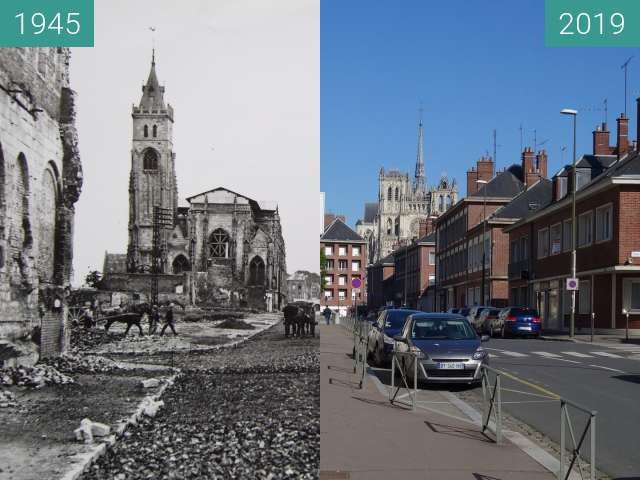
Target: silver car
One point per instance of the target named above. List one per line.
(447, 347)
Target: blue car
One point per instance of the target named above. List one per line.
(388, 325)
(517, 321)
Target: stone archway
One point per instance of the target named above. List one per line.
(180, 265)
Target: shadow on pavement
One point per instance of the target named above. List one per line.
(632, 379)
(461, 432)
(384, 375)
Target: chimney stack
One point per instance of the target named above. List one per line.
(601, 140)
(622, 146)
(427, 226)
(541, 160)
(472, 186)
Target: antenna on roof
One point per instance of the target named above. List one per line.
(562, 150)
(521, 140)
(624, 67)
(606, 111)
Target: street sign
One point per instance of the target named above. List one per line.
(572, 284)
(356, 282)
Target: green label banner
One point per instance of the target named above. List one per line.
(592, 23)
(46, 23)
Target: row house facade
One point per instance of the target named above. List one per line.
(414, 273)
(346, 253)
(607, 247)
(473, 231)
(380, 283)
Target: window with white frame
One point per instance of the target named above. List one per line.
(567, 235)
(432, 279)
(556, 238)
(328, 294)
(355, 266)
(328, 250)
(330, 264)
(328, 279)
(342, 251)
(355, 251)
(585, 229)
(342, 294)
(543, 243)
(342, 280)
(604, 223)
(432, 258)
(631, 295)
(584, 297)
(343, 264)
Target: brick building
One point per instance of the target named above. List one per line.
(346, 254)
(414, 272)
(40, 181)
(380, 283)
(608, 241)
(463, 237)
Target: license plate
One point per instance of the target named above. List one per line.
(450, 366)
(524, 328)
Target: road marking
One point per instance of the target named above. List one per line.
(607, 354)
(548, 354)
(527, 393)
(578, 354)
(607, 368)
(507, 352)
(529, 384)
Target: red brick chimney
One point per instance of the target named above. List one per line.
(622, 146)
(485, 168)
(472, 186)
(601, 140)
(427, 226)
(542, 161)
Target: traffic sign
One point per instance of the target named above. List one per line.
(572, 284)
(356, 282)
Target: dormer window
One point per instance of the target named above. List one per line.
(150, 161)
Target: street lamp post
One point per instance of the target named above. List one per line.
(484, 241)
(574, 229)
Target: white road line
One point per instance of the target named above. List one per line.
(548, 354)
(607, 368)
(507, 352)
(607, 354)
(578, 354)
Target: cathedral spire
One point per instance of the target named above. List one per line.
(152, 92)
(419, 185)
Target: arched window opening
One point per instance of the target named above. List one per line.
(219, 244)
(397, 196)
(180, 265)
(146, 131)
(441, 203)
(256, 271)
(150, 161)
(155, 131)
(448, 203)
(46, 208)
(22, 199)
(397, 229)
(389, 226)
(389, 194)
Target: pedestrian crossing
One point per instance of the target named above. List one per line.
(496, 353)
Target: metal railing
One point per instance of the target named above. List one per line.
(359, 329)
(492, 404)
(399, 363)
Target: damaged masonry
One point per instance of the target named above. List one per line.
(222, 250)
(40, 181)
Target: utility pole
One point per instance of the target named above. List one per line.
(624, 67)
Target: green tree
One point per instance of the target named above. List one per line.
(323, 270)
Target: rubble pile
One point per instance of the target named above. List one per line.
(83, 339)
(36, 377)
(7, 399)
(235, 324)
(258, 419)
(82, 364)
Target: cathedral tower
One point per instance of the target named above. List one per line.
(420, 182)
(152, 181)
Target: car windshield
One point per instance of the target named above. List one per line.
(464, 311)
(493, 312)
(396, 318)
(442, 329)
(524, 312)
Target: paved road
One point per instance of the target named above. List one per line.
(602, 378)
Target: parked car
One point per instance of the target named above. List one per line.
(474, 315)
(518, 321)
(487, 319)
(448, 348)
(453, 310)
(389, 324)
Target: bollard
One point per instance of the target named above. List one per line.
(593, 321)
(562, 435)
(592, 426)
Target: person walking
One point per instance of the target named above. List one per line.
(168, 321)
(154, 319)
(327, 315)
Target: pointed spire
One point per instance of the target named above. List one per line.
(152, 92)
(420, 181)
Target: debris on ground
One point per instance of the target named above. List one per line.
(150, 407)
(69, 363)
(83, 339)
(235, 324)
(36, 377)
(88, 430)
(150, 383)
(7, 399)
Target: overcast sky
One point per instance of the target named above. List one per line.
(243, 77)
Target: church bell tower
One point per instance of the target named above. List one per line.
(152, 181)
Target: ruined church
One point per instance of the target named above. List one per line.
(224, 248)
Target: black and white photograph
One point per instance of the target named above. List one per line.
(159, 275)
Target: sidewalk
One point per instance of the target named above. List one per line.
(598, 339)
(363, 436)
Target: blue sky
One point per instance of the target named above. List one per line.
(475, 66)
